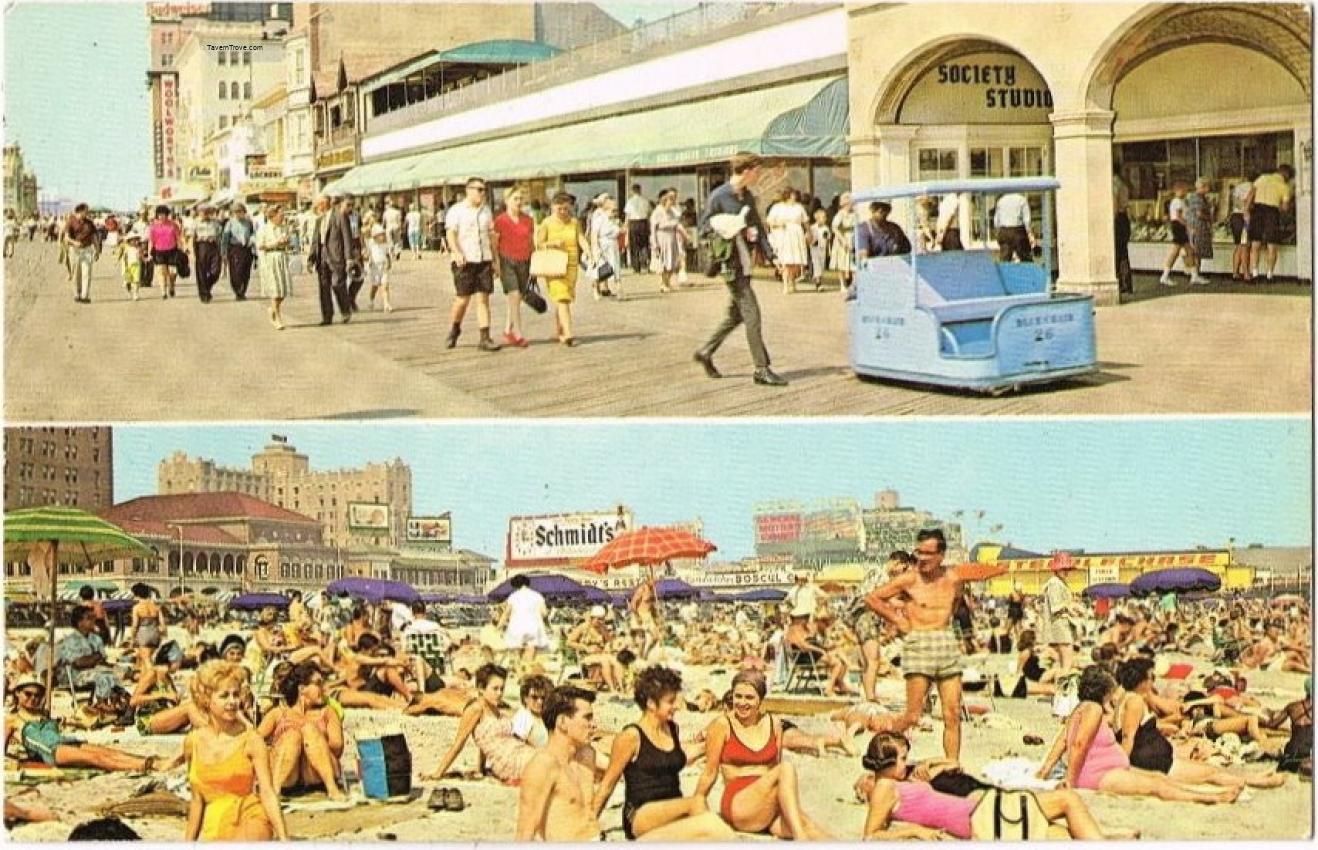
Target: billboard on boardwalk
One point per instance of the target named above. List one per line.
(556, 540)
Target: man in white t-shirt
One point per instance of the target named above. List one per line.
(804, 598)
(393, 229)
(1011, 221)
(468, 226)
(413, 222)
(637, 211)
(525, 619)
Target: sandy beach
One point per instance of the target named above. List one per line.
(1277, 814)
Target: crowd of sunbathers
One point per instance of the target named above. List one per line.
(263, 708)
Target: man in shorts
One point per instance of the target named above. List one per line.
(468, 227)
(1271, 194)
(932, 652)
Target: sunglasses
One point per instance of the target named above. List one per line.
(30, 692)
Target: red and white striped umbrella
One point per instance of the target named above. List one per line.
(649, 546)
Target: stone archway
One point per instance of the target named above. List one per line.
(1278, 31)
(892, 93)
(1254, 115)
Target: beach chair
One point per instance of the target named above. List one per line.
(429, 646)
(805, 673)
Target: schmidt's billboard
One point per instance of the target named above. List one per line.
(562, 540)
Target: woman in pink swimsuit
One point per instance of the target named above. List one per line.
(1095, 761)
(904, 794)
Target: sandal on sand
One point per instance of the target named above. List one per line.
(453, 801)
(436, 802)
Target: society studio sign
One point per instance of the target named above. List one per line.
(981, 88)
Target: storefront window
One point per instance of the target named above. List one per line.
(1151, 170)
(653, 184)
(986, 162)
(585, 190)
(1026, 162)
(831, 180)
(937, 164)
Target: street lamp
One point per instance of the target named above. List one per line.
(179, 529)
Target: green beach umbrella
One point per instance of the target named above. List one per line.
(60, 535)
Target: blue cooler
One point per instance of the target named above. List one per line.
(386, 767)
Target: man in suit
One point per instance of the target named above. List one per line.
(332, 253)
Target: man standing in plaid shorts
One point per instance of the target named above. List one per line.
(931, 652)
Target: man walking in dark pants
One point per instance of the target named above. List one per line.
(353, 227)
(236, 244)
(735, 247)
(206, 248)
(638, 211)
(330, 255)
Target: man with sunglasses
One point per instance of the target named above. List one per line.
(931, 652)
(468, 227)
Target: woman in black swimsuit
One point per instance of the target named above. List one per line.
(1137, 732)
(648, 756)
(1297, 756)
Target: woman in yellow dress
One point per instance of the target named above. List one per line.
(233, 795)
(562, 231)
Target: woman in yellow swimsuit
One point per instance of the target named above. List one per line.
(561, 231)
(233, 795)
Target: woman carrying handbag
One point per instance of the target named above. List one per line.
(560, 244)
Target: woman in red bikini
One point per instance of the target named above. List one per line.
(759, 789)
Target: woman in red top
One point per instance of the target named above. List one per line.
(759, 789)
(163, 236)
(514, 240)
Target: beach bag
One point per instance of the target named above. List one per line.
(656, 263)
(385, 767)
(1008, 816)
(549, 262)
(604, 271)
(184, 269)
(533, 299)
(1067, 697)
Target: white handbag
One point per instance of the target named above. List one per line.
(549, 262)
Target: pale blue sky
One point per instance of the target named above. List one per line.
(76, 96)
(1096, 485)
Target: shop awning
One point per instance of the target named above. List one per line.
(804, 119)
(505, 51)
(498, 52)
(380, 176)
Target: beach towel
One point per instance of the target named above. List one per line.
(1016, 774)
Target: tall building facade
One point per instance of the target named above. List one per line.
(20, 184)
(59, 466)
(171, 25)
(367, 506)
(890, 526)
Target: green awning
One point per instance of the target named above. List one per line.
(381, 176)
(499, 52)
(507, 51)
(405, 71)
(805, 119)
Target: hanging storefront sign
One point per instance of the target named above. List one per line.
(168, 119)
